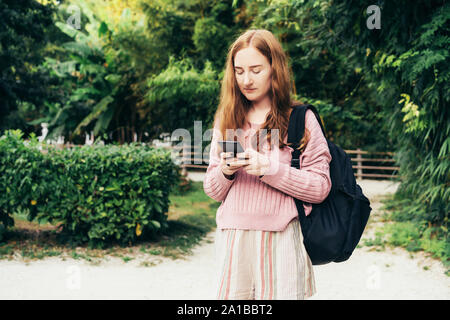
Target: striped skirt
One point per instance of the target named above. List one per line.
(263, 265)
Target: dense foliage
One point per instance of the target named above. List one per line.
(126, 66)
(94, 193)
(407, 62)
(98, 73)
(24, 31)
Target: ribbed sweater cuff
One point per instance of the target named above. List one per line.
(275, 172)
(222, 180)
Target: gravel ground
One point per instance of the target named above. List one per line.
(368, 274)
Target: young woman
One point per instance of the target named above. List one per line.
(259, 243)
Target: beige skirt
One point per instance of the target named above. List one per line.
(263, 265)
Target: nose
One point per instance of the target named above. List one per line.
(247, 79)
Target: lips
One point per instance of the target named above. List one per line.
(250, 90)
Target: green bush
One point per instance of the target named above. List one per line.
(16, 173)
(96, 193)
(414, 237)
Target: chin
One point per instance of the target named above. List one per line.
(252, 97)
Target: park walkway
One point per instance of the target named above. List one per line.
(388, 274)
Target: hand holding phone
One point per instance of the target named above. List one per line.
(229, 161)
(233, 147)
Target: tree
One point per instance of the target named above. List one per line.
(326, 73)
(408, 64)
(24, 32)
(100, 72)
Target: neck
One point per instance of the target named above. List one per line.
(263, 105)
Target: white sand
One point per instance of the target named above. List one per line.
(390, 274)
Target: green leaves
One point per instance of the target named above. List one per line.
(156, 224)
(71, 32)
(192, 92)
(97, 111)
(412, 114)
(96, 77)
(412, 73)
(98, 193)
(103, 29)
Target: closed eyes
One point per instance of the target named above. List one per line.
(255, 72)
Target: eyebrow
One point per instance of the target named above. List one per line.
(256, 65)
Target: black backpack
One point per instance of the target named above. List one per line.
(334, 227)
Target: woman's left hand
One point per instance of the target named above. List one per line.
(258, 164)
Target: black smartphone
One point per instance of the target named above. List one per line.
(234, 147)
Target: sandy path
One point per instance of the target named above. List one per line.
(53, 278)
(390, 274)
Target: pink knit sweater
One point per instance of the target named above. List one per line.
(266, 203)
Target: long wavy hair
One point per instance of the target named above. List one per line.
(234, 106)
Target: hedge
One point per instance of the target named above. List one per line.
(96, 194)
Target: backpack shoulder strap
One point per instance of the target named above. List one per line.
(296, 129)
(319, 119)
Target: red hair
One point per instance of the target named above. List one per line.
(234, 106)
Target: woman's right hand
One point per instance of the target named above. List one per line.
(229, 164)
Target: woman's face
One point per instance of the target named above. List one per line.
(252, 71)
